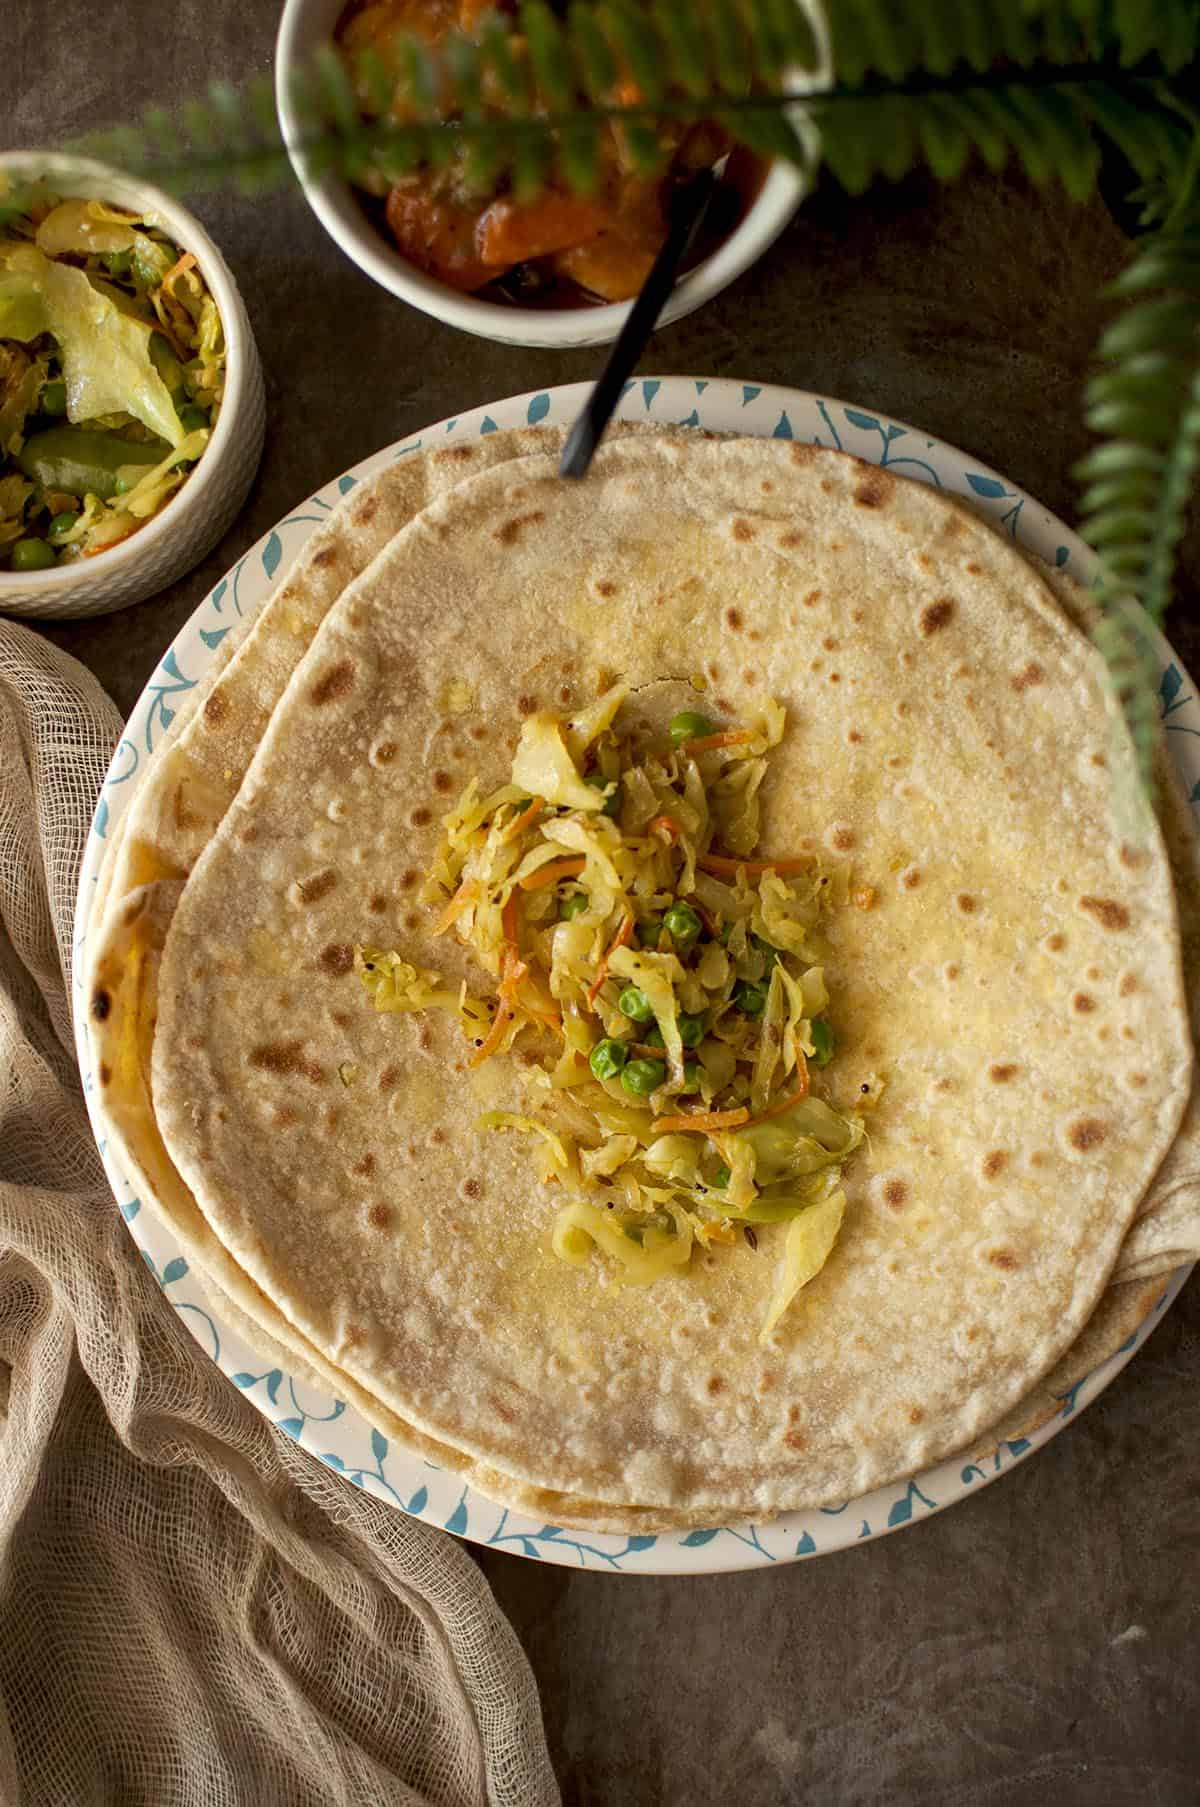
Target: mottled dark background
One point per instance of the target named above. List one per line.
(1040, 1643)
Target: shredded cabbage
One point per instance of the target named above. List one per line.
(809, 1244)
(664, 1013)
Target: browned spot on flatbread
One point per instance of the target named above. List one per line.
(1107, 912)
(789, 538)
(733, 619)
(873, 489)
(1137, 1081)
(741, 529)
(715, 1384)
(910, 878)
(105, 1074)
(1001, 1071)
(895, 1193)
(337, 959)
(437, 1137)
(365, 509)
(1127, 985)
(365, 1166)
(283, 1116)
(215, 709)
(409, 878)
(1086, 1133)
(966, 903)
(442, 781)
(424, 1038)
(842, 839)
(795, 1440)
(101, 1006)
(379, 1217)
(248, 835)
(606, 588)
(994, 1163)
(318, 885)
(337, 682)
(421, 817)
(509, 532)
(1083, 1003)
(526, 704)
(1007, 1259)
(936, 615)
(501, 1410)
(1129, 856)
(452, 453)
(390, 1078)
(384, 753)
(916, 1415)
(471, 1188)
(326, 556)
(286, 1058)
(1026, 678)
(854, 737)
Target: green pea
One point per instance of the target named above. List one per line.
(648, 931)
(823, 1042)
(653, 1037)
(607, 1058)
(62, 523)
(634, 1004)
(53, 399)
(117, 263)
(693, 1073)
(720, 1178)
(689, 725)
(750, 997)
(32, 555)
(599, 782)
(122, 485)
(572, 905)
(683, 923)
(691, 1029)
(641, 1077)
(769, 953)
(191, 418)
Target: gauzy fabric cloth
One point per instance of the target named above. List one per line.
(192, 1609)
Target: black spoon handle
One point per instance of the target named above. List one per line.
(689, 209)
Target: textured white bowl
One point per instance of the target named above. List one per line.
(305, 27)
(200, 512)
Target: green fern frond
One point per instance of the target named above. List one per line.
(1144, 402)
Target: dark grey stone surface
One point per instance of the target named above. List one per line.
(1039, 1643)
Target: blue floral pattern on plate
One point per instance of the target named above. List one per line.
(334, 1431)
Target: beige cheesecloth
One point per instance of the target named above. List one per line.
(192, 1609)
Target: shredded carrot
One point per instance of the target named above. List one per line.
(186, 262)
(495, 1034)
(551, 873)
(525, 820)
(785, 1104)
(667, 826)
(508, 922)
(722, 867)
(702, 1121)
(622, 935)
(462, 899)
(708, 743)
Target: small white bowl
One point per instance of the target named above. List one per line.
(307, 26)
(195, 518)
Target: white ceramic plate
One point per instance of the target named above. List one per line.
(325, 1425)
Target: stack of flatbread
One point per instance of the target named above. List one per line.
(1026, 980)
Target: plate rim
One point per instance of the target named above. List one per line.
(738, 1546)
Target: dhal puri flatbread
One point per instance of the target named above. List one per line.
(1018, 983)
